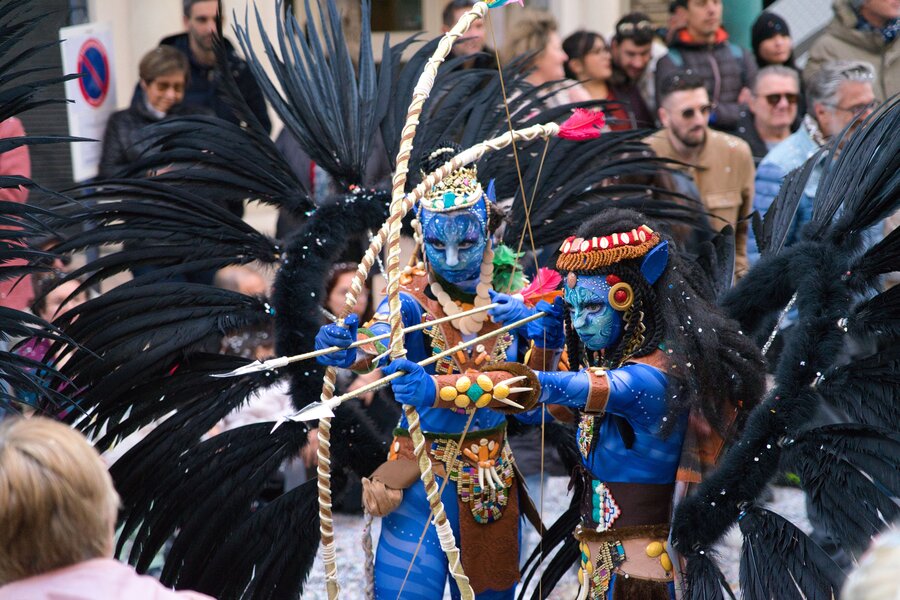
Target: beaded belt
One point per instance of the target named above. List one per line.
(633, 551)
(482, 468)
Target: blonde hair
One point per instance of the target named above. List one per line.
(58, 506)
(528, 34)
(876, 576)
(163, 61)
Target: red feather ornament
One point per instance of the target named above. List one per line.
(584, 124)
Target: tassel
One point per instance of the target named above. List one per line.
(634, 588)
(499, 3)
(584, 124)
(545, 282)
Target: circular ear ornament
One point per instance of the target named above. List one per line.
(621, 296)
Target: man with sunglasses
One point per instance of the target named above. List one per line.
(839, 95)
(703, 47)
(771, 110)
(722, 166)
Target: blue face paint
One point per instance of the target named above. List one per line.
(455, 242)
(597, 323)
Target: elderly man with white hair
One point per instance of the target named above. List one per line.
(839, 94)
(864, 30)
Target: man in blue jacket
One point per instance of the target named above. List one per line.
(839, 94)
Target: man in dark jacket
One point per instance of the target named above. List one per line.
(203, 23)
(702, 47)
(631, 50)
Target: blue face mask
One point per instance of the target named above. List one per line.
(597, 323)
(455, 242)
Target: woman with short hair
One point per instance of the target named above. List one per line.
(58, 511)
(164, 74)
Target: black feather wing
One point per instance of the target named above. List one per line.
(851, 474)
(778, 560)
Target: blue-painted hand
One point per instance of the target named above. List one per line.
(335, 335)
(415, 387)
(510, 309)
(548, 331)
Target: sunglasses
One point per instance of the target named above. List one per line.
(689, 113)
(627, 29)
(774, 99)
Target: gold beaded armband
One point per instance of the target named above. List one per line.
(507, 388)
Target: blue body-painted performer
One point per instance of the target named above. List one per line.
(635, 325)
(483, 498)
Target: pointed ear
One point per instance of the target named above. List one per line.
(491, 192)
(655, 262)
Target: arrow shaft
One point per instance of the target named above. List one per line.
(433, 359)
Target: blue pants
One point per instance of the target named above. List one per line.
(400, 532)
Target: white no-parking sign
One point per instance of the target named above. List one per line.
(87, 50)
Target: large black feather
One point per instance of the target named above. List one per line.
(326, 102)
(864, 178)
(851, 474)
(261, 558)
(878, 317)
(779, 561)
(866, 389)
(776, 225)
(703, 580)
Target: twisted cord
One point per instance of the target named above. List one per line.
(397, 212)
(370, 556)
(323, 476)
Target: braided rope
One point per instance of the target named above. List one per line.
(323, 476)
(370, 556)
(420, 94)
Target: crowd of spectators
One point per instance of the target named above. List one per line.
(734, 121)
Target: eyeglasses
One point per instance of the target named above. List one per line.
(857, 109)
(688, 113)
(774, 99)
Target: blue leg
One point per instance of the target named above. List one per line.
(400, 532)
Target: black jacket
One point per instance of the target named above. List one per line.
(122, 141)
(202, 88)
(725, 67)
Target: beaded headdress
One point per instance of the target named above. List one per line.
(589, 254)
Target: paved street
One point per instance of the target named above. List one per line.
(788, 502)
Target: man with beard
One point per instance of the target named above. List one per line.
(721, 164)
(632, 52)
(202, 20)
(840, 94)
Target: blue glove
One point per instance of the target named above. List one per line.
(335, 335)
(416, 387)
(510, 309)
(548, 331)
